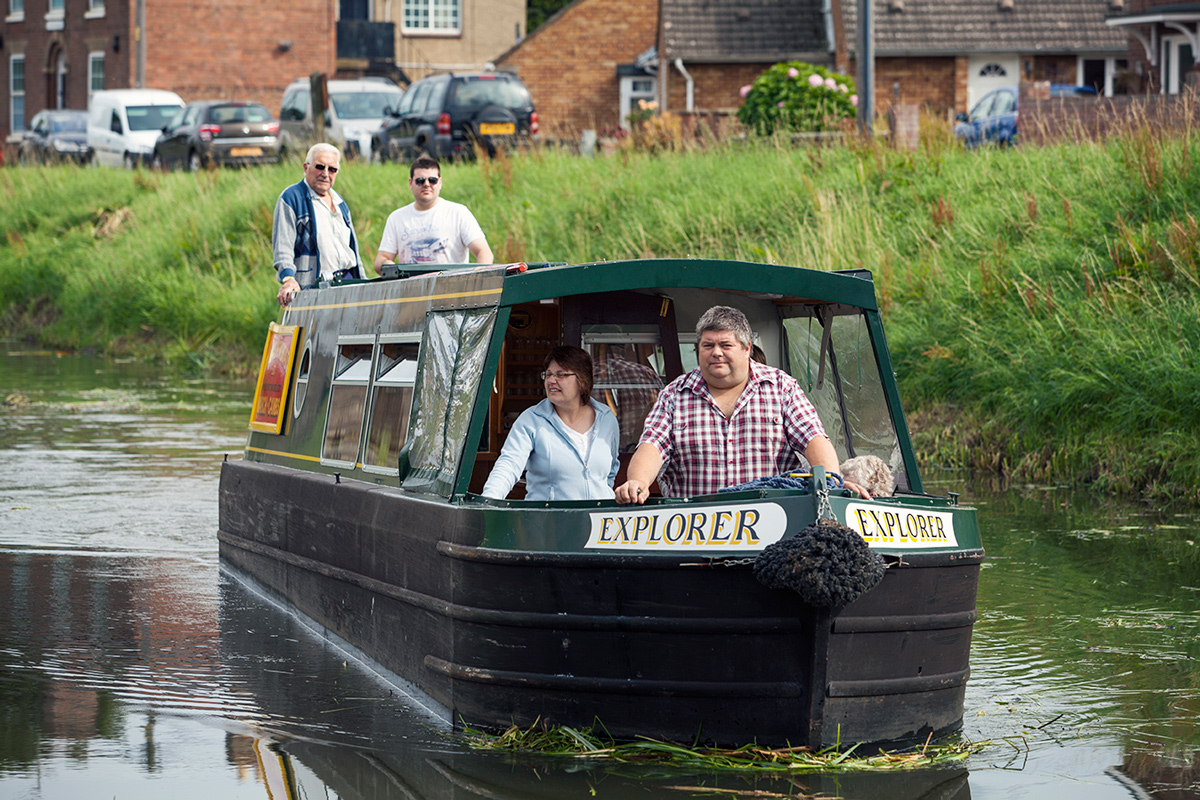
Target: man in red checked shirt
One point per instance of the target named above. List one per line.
(728, 422)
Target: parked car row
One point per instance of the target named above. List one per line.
(446, 115)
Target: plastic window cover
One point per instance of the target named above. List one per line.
(857, 375)
(455, 350)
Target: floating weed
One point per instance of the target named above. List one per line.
(596, 743)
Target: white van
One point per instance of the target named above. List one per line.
(123, 124)
(356, 110)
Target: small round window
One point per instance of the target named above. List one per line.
(302, 380)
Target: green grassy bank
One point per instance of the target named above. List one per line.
(1042, 304)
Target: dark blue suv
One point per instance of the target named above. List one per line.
(993, 120)
(448, 114)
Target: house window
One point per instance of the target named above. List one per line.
(634, 88)
(347, 401)
(54, 16)
(432, 16)
(16, 11)
(95, 9)
(95, 73)
(993, 71)
(391, 403)
(60, 80)
(16, 88)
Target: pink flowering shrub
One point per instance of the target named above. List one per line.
(798, 97)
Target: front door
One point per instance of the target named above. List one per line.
(988, 71)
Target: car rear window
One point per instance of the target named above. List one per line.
(149, 118)
(472, 94)
(72, 124)
(363, 105)
(248, 112)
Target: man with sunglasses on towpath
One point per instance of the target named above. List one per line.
(313, 236)
(431, 230)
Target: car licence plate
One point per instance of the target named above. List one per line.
(497, 128)
(245, 151)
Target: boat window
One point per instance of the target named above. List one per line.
(347, 401)
(455, 350)
(391, 405)
(629, 371)
(840, 375)
(301, 390)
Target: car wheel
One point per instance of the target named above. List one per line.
(129, 162)
(194, 161)
(158, 162)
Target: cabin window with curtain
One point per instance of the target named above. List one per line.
(347, 401)
(831, 355)
(391, 402)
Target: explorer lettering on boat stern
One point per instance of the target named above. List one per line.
(734, 527)
(901, 527)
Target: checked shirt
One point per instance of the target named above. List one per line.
(703, 452)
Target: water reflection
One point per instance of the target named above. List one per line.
(131, 666)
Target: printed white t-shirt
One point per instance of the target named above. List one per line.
(437, 236)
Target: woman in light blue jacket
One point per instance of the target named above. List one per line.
(567, 444)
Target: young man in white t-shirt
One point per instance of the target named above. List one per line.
(430, 229)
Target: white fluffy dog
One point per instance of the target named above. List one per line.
(871, 473)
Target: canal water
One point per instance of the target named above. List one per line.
(132, 666)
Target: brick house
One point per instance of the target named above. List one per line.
(1164, 41)
(55, 53)
(591, 62)
(946, 54)
(582, 65)
(709, 50)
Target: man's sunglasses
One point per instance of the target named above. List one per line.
(323, 167)
(433, 179)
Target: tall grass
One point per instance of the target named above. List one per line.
(1042, 304)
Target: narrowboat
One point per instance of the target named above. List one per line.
(381, 406)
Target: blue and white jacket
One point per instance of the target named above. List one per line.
(539, 446)
(294, 237)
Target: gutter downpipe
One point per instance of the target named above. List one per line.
(139, 64)
(690, 83)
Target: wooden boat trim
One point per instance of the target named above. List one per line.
(636, 686)
(527, 619)
(923, 683)
(911, 622)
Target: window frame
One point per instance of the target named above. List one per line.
(429, 9)
(414, 338)
(93, 56)
(16, 11)
(14, 93)
(338, 379)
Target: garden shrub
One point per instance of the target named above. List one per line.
(794, 96)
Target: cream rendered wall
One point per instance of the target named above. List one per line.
(489, 28)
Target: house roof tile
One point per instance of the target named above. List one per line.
(945, 27)
(747, 30)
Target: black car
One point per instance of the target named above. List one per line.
(58, 135)
(448, 114)
(218, 132)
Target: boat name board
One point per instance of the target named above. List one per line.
(740, 527)
(902, 527)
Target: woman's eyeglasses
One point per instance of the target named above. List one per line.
(562, 376)
(421, 181)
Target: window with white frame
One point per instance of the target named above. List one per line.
(16, 72)
(56, 6)
(95, 72)
(95, 9)
(16, 11)
(632, 89)
(432, 16)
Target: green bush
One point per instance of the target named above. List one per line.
(794, 96)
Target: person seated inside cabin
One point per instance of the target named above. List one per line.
(727, 422)
(630, 388)
(567, 444)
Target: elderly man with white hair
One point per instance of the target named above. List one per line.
(313, 237)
